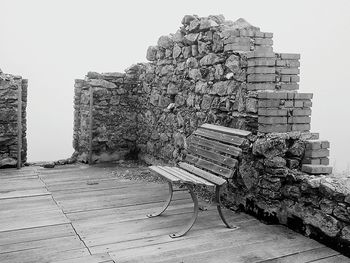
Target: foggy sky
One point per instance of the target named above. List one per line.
(54, 42)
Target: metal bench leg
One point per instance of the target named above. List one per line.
(194, 216)
(219, 205)
(166, 204)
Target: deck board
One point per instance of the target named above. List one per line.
(82, 214)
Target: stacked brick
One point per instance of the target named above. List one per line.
(284, 112)
(9, 121)
(316, 157)
(267, 70)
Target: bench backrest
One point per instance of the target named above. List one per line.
(214, 151)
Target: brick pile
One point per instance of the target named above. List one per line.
(316, 157)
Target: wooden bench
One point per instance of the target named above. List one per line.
(213, 156)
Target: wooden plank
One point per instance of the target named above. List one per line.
(305, 256)
(181, 177)
(61, 243)
(91, 91)
(19, 127)
(225, 138)
(242, 245)
(43, 255)
(215, 168)
(199, 179)
(211, 155)
(227, 130)
(166, 175)
(187, 178)
(96, 258)
(201, 173)
(208, 223)
(35, 233)
(334, 259)
(216, 146)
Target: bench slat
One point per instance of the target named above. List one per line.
(227, 130)
(220, 158)
(234, 140)
(166, 175)
(201, 163)
(201, 173)
(182, 177)
(196, 179)
(216, 146)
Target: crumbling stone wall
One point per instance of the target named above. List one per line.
(9, 100)
(222, 72)
(112, 111)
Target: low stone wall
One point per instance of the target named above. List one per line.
(10, 86)
(271, 185)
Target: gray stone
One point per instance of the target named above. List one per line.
(165, 42)
(209, 59)
(186, 20)
(8, 162)
(191, 38)
(151, 53)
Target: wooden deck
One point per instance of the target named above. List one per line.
(84, 214)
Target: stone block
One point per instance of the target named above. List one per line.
(288, 71)
(236, 47)
(313, 145)
(303, 96)
(244, 41)
(289, 86)
(269, 103)
(273, 128)
(272, 112)
(259, 54)
(300, 127)
(287, 63)
(263, 48)
(316, 169)
(319, 153)
(325, 144)
(263, 41)
(272, 120)
(261, 78)
(261, 62)
(268, 35)
(261, 86)
(272, 95)
(301, 112)
(316, 161)
(301, 120)
(298, 104)
(324, 161)
(289, 56)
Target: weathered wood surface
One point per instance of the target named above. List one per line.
(80, 214)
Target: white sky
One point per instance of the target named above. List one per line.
(53, 42)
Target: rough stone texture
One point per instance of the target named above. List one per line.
(9, 85)
(219, 72)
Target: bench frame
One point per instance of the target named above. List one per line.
(166, 171)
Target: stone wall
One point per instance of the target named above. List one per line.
(9, 86)
(273, 184)
(226, 73)
(112, 110)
